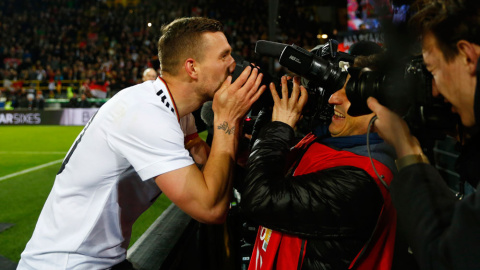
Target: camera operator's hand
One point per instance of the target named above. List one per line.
(394, 130)
(289, 109)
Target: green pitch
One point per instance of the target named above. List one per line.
(30, 157)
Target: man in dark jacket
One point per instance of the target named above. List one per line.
(443, 232)
(321, 205)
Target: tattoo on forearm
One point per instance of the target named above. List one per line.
(224, 126)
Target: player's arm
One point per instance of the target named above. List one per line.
(205, 195)
(198, 148)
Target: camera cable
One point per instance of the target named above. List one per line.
(380, 177)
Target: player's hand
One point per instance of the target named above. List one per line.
(233, 100)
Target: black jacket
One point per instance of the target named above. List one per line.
(335, 209)
(444, 233)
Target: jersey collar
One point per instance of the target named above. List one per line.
(162, 94)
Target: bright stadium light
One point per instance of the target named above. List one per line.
(322, 36)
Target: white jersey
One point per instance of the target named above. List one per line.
(107, 180)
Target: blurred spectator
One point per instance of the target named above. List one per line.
(30, 105)
(8, 104)
(7, 82)
(21, 99)
(149, 74)
(39, 101)
(85, 88)
(84, 103)
(73, 102)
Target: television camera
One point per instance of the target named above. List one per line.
(323, 71)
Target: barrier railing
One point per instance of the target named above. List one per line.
(153, 248)
(175, 241)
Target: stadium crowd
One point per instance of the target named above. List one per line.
(105, 46)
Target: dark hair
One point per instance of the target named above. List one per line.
(449, 21)
(365, 47)
(372, 61)
(181, 39)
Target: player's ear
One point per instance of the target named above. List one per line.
(191, 68)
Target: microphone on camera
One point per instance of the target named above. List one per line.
(269, 48)
(305, 64)
(207, 114)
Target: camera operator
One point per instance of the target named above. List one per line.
(443, 232)
(320, 205)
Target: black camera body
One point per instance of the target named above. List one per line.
(319, 69)
(406, 88)
(319, 66)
